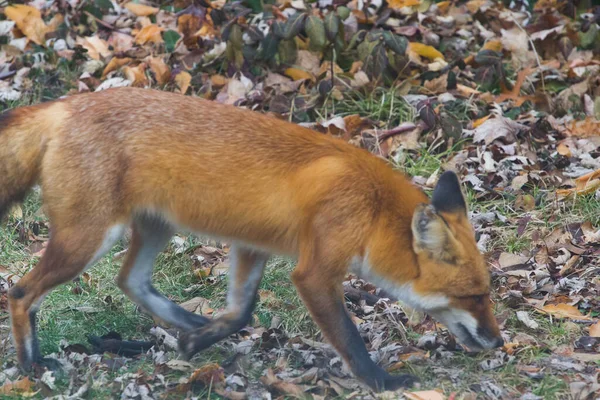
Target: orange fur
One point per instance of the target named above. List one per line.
(104, 158)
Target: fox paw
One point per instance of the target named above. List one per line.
(46, 363)
(395, 382)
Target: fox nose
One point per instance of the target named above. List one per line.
(499, 342)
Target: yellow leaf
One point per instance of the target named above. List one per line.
(425, 51)
(29, 20)
(141, 10)
(494, 45)
(564, 310)
(480, 121)
(162, 72)
(183, 80)
(149, 33)
(114, 64)
(595, 330)
(299, 74)
(398, 4)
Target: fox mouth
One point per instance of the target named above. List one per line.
(475, 343)
(468, 339)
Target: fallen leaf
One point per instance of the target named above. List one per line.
(161, 71)
(21, 386)
(141, 10)
(299, 74)
(183, 80)
(96, 47)
(149, 34)
(564, 310)
(136, 75)
(424, 50)
(399, 4)
(114, 64)
(425, 395)
(29, 21)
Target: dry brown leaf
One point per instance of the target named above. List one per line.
(149, 34)
(590, 126)
(425, 395)
(585, 184)
(183, 80)
(424, 50)
(564, 310)
(96, 47)
(399, 4)
(29, 20)
(141, 10)
(299, 74)
(114, 64)
(161, 71)
(595, 330)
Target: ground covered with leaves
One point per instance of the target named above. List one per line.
(507, 94)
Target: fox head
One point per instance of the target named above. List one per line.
(453, 284)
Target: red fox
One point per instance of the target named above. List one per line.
(159, 161)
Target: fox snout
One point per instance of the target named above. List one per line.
(483, 339)
(480, 332)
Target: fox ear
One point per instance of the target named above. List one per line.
(432, 236)
(447, 195)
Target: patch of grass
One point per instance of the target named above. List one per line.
(381, 104)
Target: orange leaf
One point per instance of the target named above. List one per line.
(218, 81)
(136, 75)
(183, 80)
(149, 33)
(141, 10)
(162, 72)
(299, 74)
(114, 64)
(595, 330)
(29, 20)
(398, 4)
(24, 385)
(424, 50)
(480, 121)
(564, 310)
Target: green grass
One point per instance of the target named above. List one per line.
(381, 104)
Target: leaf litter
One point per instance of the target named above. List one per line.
(508, 97)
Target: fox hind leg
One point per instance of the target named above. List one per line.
(69, 251)
(247, 267)
(150, 235)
